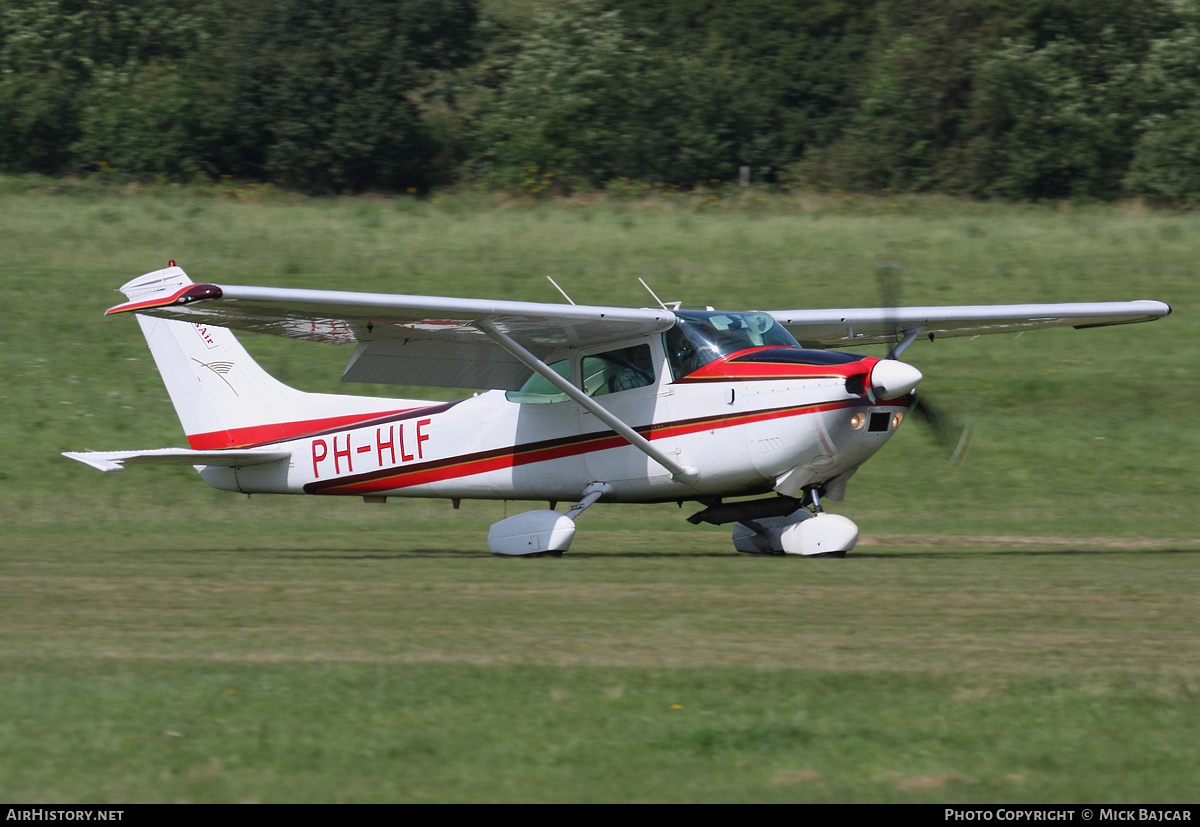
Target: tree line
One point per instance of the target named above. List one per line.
(1021, 99)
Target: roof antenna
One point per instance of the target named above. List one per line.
(656, 298)
(564, 292)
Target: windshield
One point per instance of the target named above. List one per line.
(700, 337)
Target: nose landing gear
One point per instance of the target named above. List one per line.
(810, 532)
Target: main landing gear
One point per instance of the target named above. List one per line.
(544, 533)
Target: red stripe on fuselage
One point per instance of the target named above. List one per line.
(742, 366)
(386, 479)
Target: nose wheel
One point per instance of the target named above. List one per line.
(808, 531)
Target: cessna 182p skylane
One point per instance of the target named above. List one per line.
(586, 404)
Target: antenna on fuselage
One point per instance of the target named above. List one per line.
(559, 289)
(656, 298)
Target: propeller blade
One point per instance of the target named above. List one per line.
(889, 270)
(945, 430)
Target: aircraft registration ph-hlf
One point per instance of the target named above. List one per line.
(584, 404)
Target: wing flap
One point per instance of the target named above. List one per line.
(435, 364)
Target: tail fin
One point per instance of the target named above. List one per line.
(222, 396)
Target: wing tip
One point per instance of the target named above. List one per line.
(97, 460)
(186, 295)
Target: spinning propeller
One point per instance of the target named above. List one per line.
(889, 268)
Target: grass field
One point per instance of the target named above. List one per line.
(1022, 628)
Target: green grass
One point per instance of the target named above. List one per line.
(1018, 629)
(642, 671)
(438, 733)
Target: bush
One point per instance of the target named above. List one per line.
(150, 123)
(585, 99)
(326, 94)
(38, 123)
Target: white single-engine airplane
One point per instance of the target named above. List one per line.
(586, 404)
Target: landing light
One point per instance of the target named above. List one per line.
(858, 420)
(896, 420)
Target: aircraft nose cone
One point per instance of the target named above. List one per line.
(891, 379)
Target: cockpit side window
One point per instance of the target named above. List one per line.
(699, 338)
(618, 370)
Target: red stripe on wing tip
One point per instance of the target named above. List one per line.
(185, 295)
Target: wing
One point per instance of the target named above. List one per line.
(411, 340)
(857, 326)
(449, 342)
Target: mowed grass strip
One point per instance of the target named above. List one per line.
(980, 611)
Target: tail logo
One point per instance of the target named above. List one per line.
(205, 336)
(220, 369)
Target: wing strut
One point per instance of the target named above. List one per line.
(910, 336)
(683, 473)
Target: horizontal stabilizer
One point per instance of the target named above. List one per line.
(117, 460)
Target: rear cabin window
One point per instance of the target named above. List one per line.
(538, 390)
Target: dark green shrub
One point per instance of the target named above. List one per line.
(326, 95)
